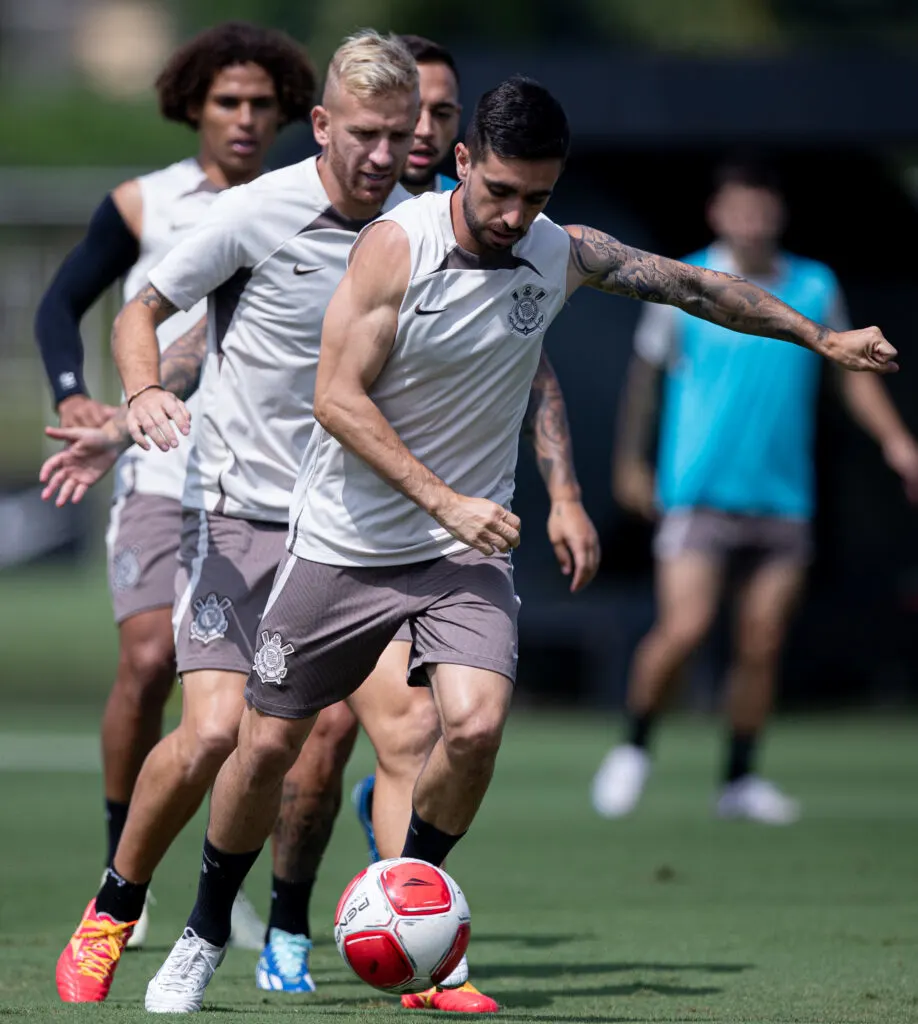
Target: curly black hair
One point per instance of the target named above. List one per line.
(185, 80)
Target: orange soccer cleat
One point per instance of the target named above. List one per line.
(86, 967)
(465, 999)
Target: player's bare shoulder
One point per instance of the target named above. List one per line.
(380, 260)
(128, 199)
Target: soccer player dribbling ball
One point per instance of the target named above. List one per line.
(440, 317)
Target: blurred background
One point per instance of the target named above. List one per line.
(657, 92)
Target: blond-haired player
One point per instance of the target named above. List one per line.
(267, 258)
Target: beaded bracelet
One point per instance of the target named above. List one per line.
(140, 391)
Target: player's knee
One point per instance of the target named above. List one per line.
(206, 745)
(269, 753)
(403, 742)
(474, 739)
(759, 642)
(682, 634)
(335, 732)
(147, 670)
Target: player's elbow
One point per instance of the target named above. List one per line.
(330, 408)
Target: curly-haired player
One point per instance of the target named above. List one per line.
(235, 84)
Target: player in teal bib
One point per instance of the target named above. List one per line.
(734, 486)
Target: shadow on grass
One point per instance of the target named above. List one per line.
(542, 970)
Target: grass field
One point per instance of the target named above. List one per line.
(669, 916)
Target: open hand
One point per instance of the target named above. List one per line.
(480, 523)
(89, 455)
(575, 540)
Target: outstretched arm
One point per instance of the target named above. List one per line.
(92, 451)
(570, 529)
(357, 337)
(603, 262)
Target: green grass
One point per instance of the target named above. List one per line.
(669, 916)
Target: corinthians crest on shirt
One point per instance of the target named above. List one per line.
(210, 621)
(526, 316)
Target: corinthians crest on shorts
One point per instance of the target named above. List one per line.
(126, 568)
(271, 658)
(210, 621)
(526, 317)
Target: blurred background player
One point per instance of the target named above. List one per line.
(234, 85)
(734, 487)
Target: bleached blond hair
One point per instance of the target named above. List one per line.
(370, 64)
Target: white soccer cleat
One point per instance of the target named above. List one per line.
(757, 800)
(459, 976)
(178, 986)
(248, 928)
(619, 783)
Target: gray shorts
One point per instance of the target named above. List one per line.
(226, 568)
(325, 626)
(728, 536)
(142, 541)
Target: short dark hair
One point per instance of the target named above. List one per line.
(749, 169)
(188, 75)
(519, 119)
(426, 51)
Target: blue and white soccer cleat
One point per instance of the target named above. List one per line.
(362, 799)
(284, 963)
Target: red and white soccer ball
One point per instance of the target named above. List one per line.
(402, 925)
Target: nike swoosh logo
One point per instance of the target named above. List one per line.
(301, 268)
(427, 312)
(180, 227)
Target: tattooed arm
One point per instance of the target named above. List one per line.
(570, 529)
(602, 262)
(92, 451)
(546, 427)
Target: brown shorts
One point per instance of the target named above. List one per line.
(724, 536)
(226, 568)
(142, 541)
(325, 626)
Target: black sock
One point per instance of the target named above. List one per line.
(740, 755)
(427, 842)
(115, 817)
(290, 906)
(639, 726)
(222, 875)
(119, 898)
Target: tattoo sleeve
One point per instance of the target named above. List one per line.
(180, 366)
(546, 426)
(601, 261)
